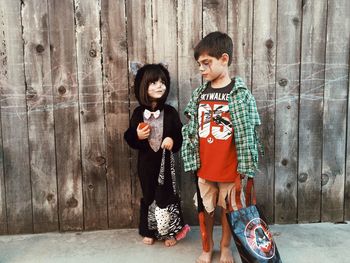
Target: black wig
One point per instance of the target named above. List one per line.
(144, 77)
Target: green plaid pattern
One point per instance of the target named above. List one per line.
(245, 119)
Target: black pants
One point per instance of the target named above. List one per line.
(152, 191)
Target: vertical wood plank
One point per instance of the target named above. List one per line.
(214, 16)
(189, 15)
(140, 51)
(87, 16)
(240, 29)
(3, 82)
(287, 108)
(40, 115)
(311, 110)
(3, 216)
(165, 41)
(116, 89)
(263, 88)
(347, 179)
(66, 114)
(335, 107)
(14, 121)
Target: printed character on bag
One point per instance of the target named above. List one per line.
(259, 238)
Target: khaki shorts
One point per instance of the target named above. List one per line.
(217, 194)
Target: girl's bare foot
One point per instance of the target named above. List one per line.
(148, 241)
(226, 255)
(170, 242)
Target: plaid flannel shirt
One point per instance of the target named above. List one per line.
(245, 119)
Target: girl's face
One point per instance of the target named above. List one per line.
(156, 89)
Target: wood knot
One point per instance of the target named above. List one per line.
(283, 82)
(72, 202)
(40, 49)
(288, 107)
(269, 43)
(91, 186)
(303, 177)
(284, 162)
(92, 53)
(62, 90)
(49, 197)
(295, 21)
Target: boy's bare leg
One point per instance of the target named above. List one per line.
(205, 257)
(225, 245)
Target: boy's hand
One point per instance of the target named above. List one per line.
(242, 176)
(143, 132)
(167, 143)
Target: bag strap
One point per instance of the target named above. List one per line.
(161, 171)
(238, 194)
(172, 170)
(250, 195)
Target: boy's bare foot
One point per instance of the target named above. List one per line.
(148, 241)
(170, 242)
(205, 257)
(226, 255)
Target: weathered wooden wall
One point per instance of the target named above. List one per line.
(66, 72)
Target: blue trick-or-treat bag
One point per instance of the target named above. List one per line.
(251, 232)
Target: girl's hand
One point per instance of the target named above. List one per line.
(167, 143)
(143, 131)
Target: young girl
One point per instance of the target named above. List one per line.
(156, 127)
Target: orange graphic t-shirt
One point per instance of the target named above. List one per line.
(217, 150)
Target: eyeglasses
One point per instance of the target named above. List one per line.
(205, 64)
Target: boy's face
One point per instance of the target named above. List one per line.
(211, 68)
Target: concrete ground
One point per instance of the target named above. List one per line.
(301, 243)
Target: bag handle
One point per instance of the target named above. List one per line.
(249, 194)
(172, 170)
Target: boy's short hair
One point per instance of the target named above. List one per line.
(215, 44)
(145, 76)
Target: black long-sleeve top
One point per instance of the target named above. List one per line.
(148, 160)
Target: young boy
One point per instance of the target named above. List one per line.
(220, 143)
